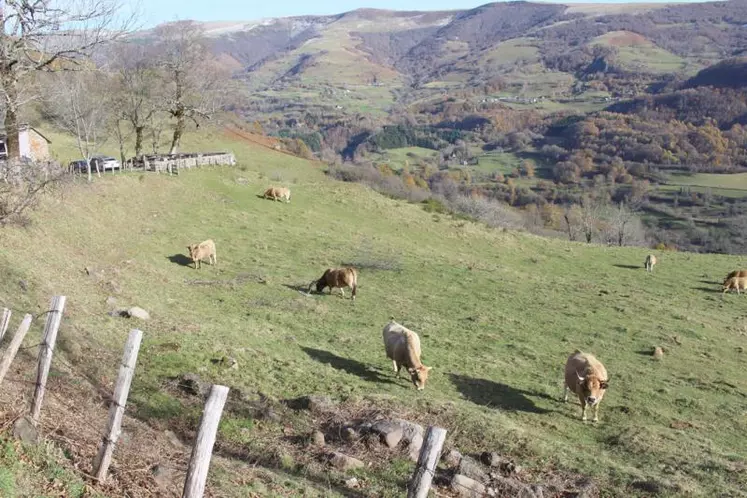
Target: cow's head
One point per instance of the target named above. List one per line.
(419, 375)
(192, 249)
(592, 388)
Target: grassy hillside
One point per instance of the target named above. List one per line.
(497, 312)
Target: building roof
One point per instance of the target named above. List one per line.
(22, 127)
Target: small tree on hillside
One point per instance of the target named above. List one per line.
(77, 103)
(136, 80)
(194, 84)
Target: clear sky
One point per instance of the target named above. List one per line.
(157, 11)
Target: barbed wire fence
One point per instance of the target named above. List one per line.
(91, 438)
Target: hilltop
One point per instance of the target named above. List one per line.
(498, 312)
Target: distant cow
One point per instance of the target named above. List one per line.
(337, 278)
(735, 283)
(650, 262)
(735, 273)
(587, 377)
(201, 251)
(278, 193)
(403, 348)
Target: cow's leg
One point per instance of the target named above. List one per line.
(396, 370)
(596, 413)
(565, 394)
(583, 409)
(342, 292)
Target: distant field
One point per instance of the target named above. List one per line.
(727, 185)
(636, 52)
(396, 158)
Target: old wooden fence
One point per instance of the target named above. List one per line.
(172, 163)
(196, 476)
(202, 448)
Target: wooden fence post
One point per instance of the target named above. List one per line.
(4, 322)
(54, 318)
(421, 480)
(15, 344)
(117, 407)
(199, 462)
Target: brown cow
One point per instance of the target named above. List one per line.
(650, 262)
(587, 377)
(403, 348)
(735, 283)
(278, 193)
(735, 273)
(337, 278)
(203, 250)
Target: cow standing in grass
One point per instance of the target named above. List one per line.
(650, 262)
(338, 278)
(735, 283)
(278, 193)
(403, 348)
(735, 273)
(201, 251)
(587, 377)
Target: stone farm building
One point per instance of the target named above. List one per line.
(33, 144)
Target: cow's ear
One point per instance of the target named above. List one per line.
(604, 384)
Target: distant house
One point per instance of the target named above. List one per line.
(33, 144)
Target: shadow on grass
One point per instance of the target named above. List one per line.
(352, 367)
(708, 289)
(303, 289)
(180, 259)
(629, 267)
(495, 395)
(711, 282)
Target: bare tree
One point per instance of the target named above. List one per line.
(193, 80)
(137, 82)
(625, 226)
(78, 105)
(48, 35)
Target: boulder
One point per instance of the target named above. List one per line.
(317, 438)
(352, 483)
(344, 462)
(452, 458)
(658, 353)
(466, 487)
(25, 430)
(389, 432)
(469, 467)
(139, 313)
(316, 403)
(412, 434)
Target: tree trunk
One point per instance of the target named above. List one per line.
(121, 138)
(570, 229)
(181, 123)
(12, 144)
(139, 131)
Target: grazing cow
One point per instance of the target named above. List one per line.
(403, 348)
(199, 252)
(735, 283)
(587, 377)
(278, 193)
(735, 273)
(337, 278)
(650, 262)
